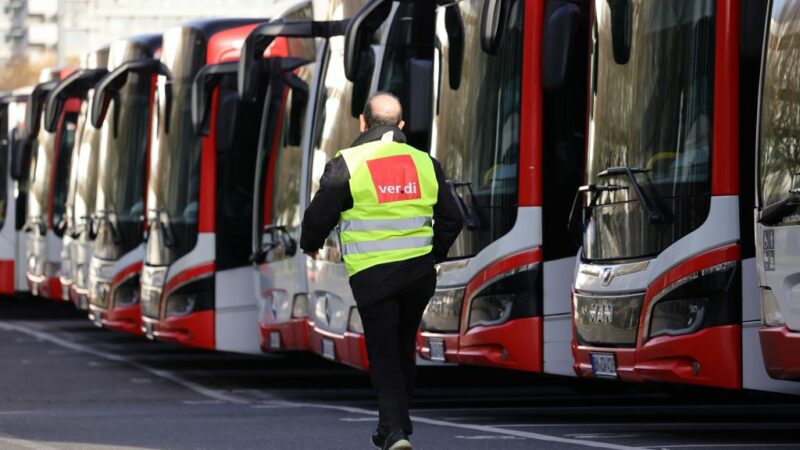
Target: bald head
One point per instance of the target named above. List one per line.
(382, 110)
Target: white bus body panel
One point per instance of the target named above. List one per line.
(557, 345)
(236, 317)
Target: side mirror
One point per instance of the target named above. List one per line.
(75, 85)
(754, 17)
(20, 154)
(203, 86)
(561, 24)
(494, 19)
(359, 32)
(420, 91)
(621, 29)
(110, 85)
(227, 117)
(249, 74)
(33, 112)
(300, 94)
(454, 26)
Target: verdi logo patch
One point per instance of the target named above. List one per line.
(395, 178)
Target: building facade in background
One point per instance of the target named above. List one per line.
(28, 30)
(63, 30)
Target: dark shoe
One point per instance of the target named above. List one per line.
(378, 439)
(397, 441)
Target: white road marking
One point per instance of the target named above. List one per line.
(667, 447)
(357, 419)
(610, 435)
(481, 428)
(490, 437)
(217, 395)
(24, 443)
(610, 424)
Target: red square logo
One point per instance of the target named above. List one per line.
(395, 178)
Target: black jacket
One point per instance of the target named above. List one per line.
(334, 196)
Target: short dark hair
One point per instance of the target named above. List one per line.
(374, 119)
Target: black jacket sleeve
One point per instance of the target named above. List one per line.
(331, 199)
(447, 221)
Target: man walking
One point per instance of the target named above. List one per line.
(396, 218)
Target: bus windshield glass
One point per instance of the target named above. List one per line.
(43, 164)
(650, 112)
(121, 170)
(174, 182)
(476, 127)
(779, 158)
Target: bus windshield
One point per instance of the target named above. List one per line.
(651, 113)
(121, 170)
(174, 182)
(43, 164)
(476, 127)
(779, 158)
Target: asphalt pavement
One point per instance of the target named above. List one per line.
(65, 384)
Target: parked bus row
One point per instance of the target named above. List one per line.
(161, 185)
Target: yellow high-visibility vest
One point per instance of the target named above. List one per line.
(394, 189)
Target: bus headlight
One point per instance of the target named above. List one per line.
(300, 306)
(192, 297)
(354, 323)
(676, 317)
(127, 293)
(490, 310)
(443, 313)
(771, 315)
(180, 304)
(701, 299)
(511, 295)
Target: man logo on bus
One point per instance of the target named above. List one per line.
(395, 178)
(607, 275)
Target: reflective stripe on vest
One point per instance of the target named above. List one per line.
(394, 189)
(386, 245)
(385, 224)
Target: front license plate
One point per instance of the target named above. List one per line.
(275, 340)
(437, 349)
(328, 349)
(604, 364)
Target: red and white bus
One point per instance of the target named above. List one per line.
(13, 191)
(777, 196)
(82, 172)
(665, 284)
(388, 46)
(197, 286)
(509, 132)
(49, 170)
(279, 268)
(121, 111)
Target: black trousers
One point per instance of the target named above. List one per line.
(390, 329)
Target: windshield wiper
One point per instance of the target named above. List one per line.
(83, 223)
(167, 231)
(36, 222)
(104, 217)
(653, 211)
(471, 221)
(776, 211)
(595, 190)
